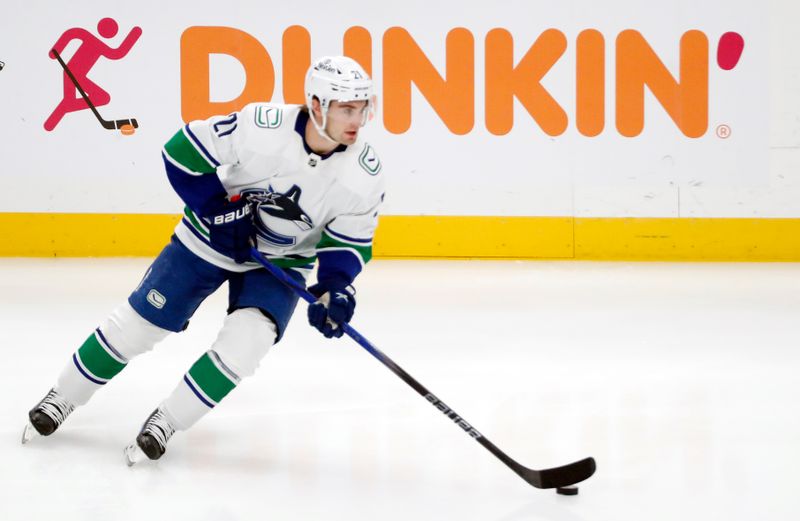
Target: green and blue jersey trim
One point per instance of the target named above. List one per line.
(199, 146)
(182, 151)
(361, 248)
(195, 223)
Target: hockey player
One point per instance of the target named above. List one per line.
(296, 181)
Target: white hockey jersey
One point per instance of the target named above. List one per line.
(306, 206)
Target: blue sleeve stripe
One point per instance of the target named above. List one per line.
(343, 237)
(200, 146)
(194, 190)
(338, 264)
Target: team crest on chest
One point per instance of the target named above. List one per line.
(369, 160)
(279, 216)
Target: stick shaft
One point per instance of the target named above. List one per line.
(396, 369)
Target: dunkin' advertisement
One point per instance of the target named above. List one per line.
(514, 108)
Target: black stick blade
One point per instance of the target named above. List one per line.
(122, 122)
(559, 476)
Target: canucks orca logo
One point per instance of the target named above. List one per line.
(283, 207)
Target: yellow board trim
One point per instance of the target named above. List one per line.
(687, 239)
(84, 234)
(474, 237)
(583, 238)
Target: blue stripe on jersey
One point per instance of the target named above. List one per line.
(197, 393)
(273, 237)
(195, 231)
(195, 190)
(345, 237)
(203, 238)
(338, 264)
(200, 146)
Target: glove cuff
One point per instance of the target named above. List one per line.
(329, 284)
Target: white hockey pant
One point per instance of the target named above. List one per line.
(121, 337)
(245, 338)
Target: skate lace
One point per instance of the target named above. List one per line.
(56, 407)
(159, 428)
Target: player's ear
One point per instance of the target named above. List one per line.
(316, 108)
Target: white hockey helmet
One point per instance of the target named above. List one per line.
(337, 78)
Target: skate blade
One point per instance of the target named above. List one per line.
(133, 454)
(28, 433)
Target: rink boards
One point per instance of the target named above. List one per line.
(581, 130)
(71, 235)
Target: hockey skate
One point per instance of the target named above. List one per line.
(48, 414)
(152, 440)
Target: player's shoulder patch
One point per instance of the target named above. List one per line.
(369, 160)
(268, 116)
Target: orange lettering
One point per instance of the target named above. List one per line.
(686, 101)
(405, 63)
(590, 89)
(358, 45)
(504, 82)
(296, 60)
(197, 43)
(452, 94)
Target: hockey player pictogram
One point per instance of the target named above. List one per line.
(76, 71)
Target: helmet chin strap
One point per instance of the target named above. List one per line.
(321, 129)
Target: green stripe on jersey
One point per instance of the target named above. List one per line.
(183, 151)
(287, 262)
(195, 221)
(97, 360)
(328, 242)
(210, 379)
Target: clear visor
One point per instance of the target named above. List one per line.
(367, 114)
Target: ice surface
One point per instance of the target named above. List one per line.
(680, 379)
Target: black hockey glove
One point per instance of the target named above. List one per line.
(334, 306)
(231, 228)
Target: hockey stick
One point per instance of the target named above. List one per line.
(548, 478)
(110, 125)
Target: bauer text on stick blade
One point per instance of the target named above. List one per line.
(557, 477)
